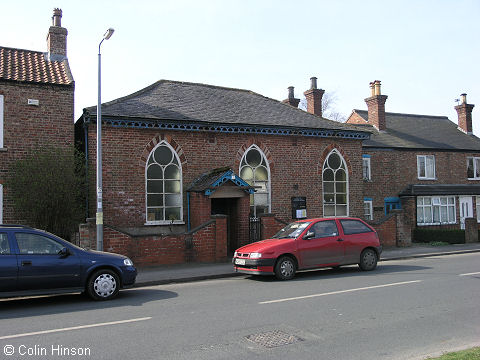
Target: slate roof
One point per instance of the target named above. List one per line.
(33, 67)
(420, 132)
(183, 101)
(441, 189)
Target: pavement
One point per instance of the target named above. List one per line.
(166, 274)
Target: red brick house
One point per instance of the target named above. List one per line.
(185, 166)
(426, 165)
(36, 103)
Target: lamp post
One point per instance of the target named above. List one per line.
(99, 220)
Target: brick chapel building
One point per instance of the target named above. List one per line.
(36, 103)
(428, 166)
(186, 166)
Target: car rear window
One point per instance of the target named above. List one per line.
(354, 227)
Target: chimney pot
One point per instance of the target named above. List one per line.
(57, 17)
(313, 83)
(464, 112)
(291, 92)
(378, 90)
(464, 98)
(372, 88)
(291, 98)
(314, 98)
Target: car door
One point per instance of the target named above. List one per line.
(40, 266)
(8, 265)
(322, 246)
(357, 236)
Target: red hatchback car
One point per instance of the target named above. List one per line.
(310, 244)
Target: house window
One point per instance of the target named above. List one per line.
(436, 210)
(1, 120)
(426, 167)
(473, 168)
(368, 208)
(163, 177)
(367, 175)
(335, 185)
(255, 171)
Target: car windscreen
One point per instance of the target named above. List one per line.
(292, 230)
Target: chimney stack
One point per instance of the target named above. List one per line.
(314, 98)
(464, 112)
(376, 106)
(291, 98)
(57, 38)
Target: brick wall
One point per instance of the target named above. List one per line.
(295, 166)
(28, 127)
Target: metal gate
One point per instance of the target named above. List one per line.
(255, 229)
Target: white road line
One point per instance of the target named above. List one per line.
(475, 273)
(339, 292)
(73, 328)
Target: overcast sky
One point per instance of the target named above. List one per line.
(426, 53)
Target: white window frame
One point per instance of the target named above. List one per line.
(1, 203)
(343, 167)
(366, 165)
(164, 222)
(259, 191)
(2, 105)
(478, 209)
(368, 203)
(426, 160)
(432, 205)
(476, 167)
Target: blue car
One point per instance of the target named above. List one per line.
(34, 262)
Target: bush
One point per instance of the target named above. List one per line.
(47, 189)
(445, 235)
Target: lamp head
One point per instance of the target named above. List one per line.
(108, 34)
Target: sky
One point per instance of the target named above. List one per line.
(425, 52)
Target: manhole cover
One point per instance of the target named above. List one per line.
(273, 338)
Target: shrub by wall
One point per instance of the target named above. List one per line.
(451, 236)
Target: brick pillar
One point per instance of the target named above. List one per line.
(200, 209)
(270, 226)
(471, 230)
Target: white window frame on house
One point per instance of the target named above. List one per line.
(478, 209)
(1, 203)
(335, 188)
(2, 105)
(368, 208)
(436, 210)
(249, 172)
(474, 164)
(166, 195)
(366, 167)
(426, 171)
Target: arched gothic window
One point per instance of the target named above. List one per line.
(255, 171)
(335, 185)
(163, 182)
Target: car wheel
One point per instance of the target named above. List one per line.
(103, 285)
(368, 260)
(285, 268)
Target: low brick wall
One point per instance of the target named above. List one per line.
(205, 243)
(394, 229)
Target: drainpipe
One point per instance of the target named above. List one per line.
(188, 210)
(85, 129)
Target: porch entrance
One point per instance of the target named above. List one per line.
(228, 207)
(466, 209)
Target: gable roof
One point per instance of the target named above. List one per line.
(419, 132)
(209, 181)
(33, 67)
(184, 101)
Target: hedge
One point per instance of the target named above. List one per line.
(429, 235)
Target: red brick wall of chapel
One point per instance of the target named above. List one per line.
(295, 167)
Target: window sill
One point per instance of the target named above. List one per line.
(469, 179)
(3, 149)
(436, 224)
(431, 179)
(153, 223)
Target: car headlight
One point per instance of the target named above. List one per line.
(235, 254)
(128, 262)
(255, 255)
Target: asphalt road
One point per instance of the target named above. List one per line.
(403, 310)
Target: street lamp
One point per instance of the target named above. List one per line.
(99, 219)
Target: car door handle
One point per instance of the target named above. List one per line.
(339, 239)
(26, 263)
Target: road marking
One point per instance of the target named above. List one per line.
(73, 328)
(475, 273)
(339, 292)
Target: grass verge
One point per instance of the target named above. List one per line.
(470, 354)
